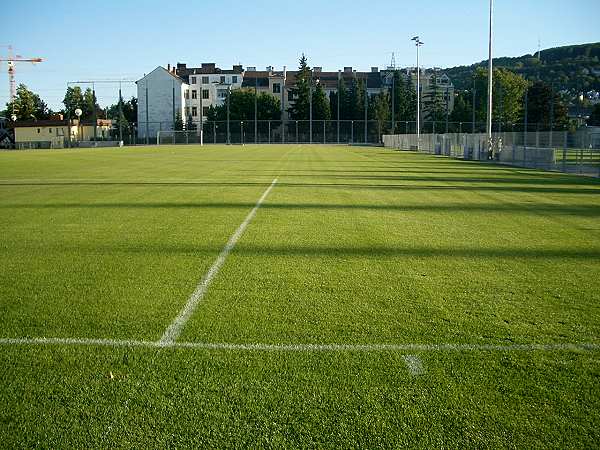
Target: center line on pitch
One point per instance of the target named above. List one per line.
(174, 330)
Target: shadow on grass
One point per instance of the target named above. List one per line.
(530, 208)
(328, 251)
(408, 187)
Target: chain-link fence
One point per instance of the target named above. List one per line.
(562, 151)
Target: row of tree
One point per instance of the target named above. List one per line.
(28, 105)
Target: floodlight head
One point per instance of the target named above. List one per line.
(78, 112)
(14, 117)
(416, 38)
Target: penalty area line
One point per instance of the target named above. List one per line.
(174, 330)
(411, 360)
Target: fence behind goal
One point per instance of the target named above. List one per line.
(552, 150)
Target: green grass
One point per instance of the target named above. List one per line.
(352, 246)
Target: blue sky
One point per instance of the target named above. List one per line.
(125, 39)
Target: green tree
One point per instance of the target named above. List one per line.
(241, 107)
(301, 91)
(73, 100)
(594, 119)
(508, 92)
(178, 122)
(434, 105)
(128, 115)
(463, 111)
(379, 109)
(320, 104)
(405, 98)
(27, 105)
(544, 107)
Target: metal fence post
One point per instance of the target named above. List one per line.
(214, 132)
(324, 133)
(269, 131)
(296, 131)
(352, 132)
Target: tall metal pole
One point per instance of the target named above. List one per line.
(147, 123)
(490, 84)
(473, 108)
(393, 101)
(201, 130)
(284, 76)
(418, 43)
(256, 109)
(447, 108)
(339, 99)
(95, 115)
(366, 108)
(120, 114)
(173, 103)
(310, 112)
(228, 95)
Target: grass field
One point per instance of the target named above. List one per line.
(373, 299)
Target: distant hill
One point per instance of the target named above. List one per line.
(574, 68)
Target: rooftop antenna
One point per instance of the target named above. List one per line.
(393, 62)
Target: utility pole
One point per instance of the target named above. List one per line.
(120, 114)
(201, 93)
(228, 96)
(490, 84)
(393, 101)
(256, 108)
(147, 122)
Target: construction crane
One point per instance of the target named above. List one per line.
(11, 61)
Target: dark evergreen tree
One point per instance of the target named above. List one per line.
(301, 92)
(320, 104)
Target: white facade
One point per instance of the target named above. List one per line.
(166, 93)
(213, 89)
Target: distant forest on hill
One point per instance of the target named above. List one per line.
(573, 68)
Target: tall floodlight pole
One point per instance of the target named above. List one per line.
(256, 108)
(490, 83)
(310, 111)
(120, 114)
(418, 43)
(201, 128)
(228, 97)
(338, 104)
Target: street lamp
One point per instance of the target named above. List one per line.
(78, 113)
(418, 44)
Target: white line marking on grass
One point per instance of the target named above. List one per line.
(174, 330)
(403, 348)
(414, 364)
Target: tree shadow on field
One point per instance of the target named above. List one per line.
(399, 187)
(329, 251)
(528, 208)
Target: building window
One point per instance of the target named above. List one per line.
(205, 94)
(193, 80)
(187, 94)
(38, 130)
(194, 111)
(222, 80)
(205, 111)
(50, 130)
(234, 79)
(222, 93)
(276, 88)
(187, 111)
(194, 94)
(290, 96)
(204, 80)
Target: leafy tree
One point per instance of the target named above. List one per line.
(241, 107)
(86, 101)
(594, 119)
(508, 92)
(27, 105)
(129, 113)
(544, 107)
(320, 104)
(301, 91)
